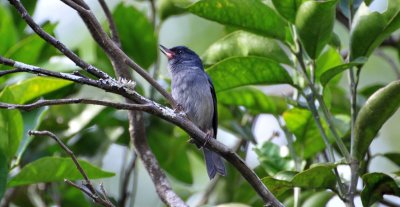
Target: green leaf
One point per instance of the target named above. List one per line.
(52, 169)
(272, 160)
(175, 161)
(308, 139)
(329, 58)
(319, 199)
(394, 157)
(168, 8)
(375, 186)
(32, 120)
(141, 46)
(3, 173)
(288, 8)
(250, 15)
(29, 49)
(320, 176)
(314, 23)
(371, 28)
(241, 43)
(376, 111)
(11, 126)
(276, 186)
(331, 73)
(8, 32)
(367, 91)
(240, 71)
(253, 99)
(35, 87)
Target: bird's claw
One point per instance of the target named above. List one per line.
(207, 138)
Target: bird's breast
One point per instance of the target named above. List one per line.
(192, 91)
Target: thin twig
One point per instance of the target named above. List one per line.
(92, 191)
(125, 182)
(110, 47)
(111, 23)
(56, 43)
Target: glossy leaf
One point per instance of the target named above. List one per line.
(320, 176)
(52, 169)
(168, 8)
(3, 173)
(11, 126)
(250, 15)
(7, 30)
(288, 8)
(241, 71)
(331, 73)
(277, 187)
(141, 46)
(371, 28)
(253, 99)
(375, 186)
(29, 49)
(308, 139)
(314, 23)
(376, 111)
(241, 43)
(37, 87)
(318, 199)
(329, 58)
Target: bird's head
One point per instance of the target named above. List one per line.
(181, 57)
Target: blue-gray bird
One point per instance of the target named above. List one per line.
(194, 92)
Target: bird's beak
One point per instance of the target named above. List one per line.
(167, 52)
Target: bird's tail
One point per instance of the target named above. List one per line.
(214, 163)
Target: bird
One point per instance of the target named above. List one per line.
(194, 93)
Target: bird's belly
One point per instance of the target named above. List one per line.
(197, 103)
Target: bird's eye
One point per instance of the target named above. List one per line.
(179, 51)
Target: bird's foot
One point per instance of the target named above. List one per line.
(179, 108)
(208, 137)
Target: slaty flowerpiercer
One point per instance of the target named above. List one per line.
(194, 92)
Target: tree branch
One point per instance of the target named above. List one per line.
(92, 191)
(56, 43)
(110, 47)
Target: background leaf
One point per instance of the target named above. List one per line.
(141, 46)
(241, 43)
(371, 28)
(37, 87)
(301, 123)
(11, 126)
(253, 99)
(314, 23)
(320, 176)
(249, 15)
(375, 186)
(240, 71)
(376, 111)
(8, 32)
(288, 8)
(3, 173)
(51, 169)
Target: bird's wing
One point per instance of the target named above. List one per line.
(215, 115)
